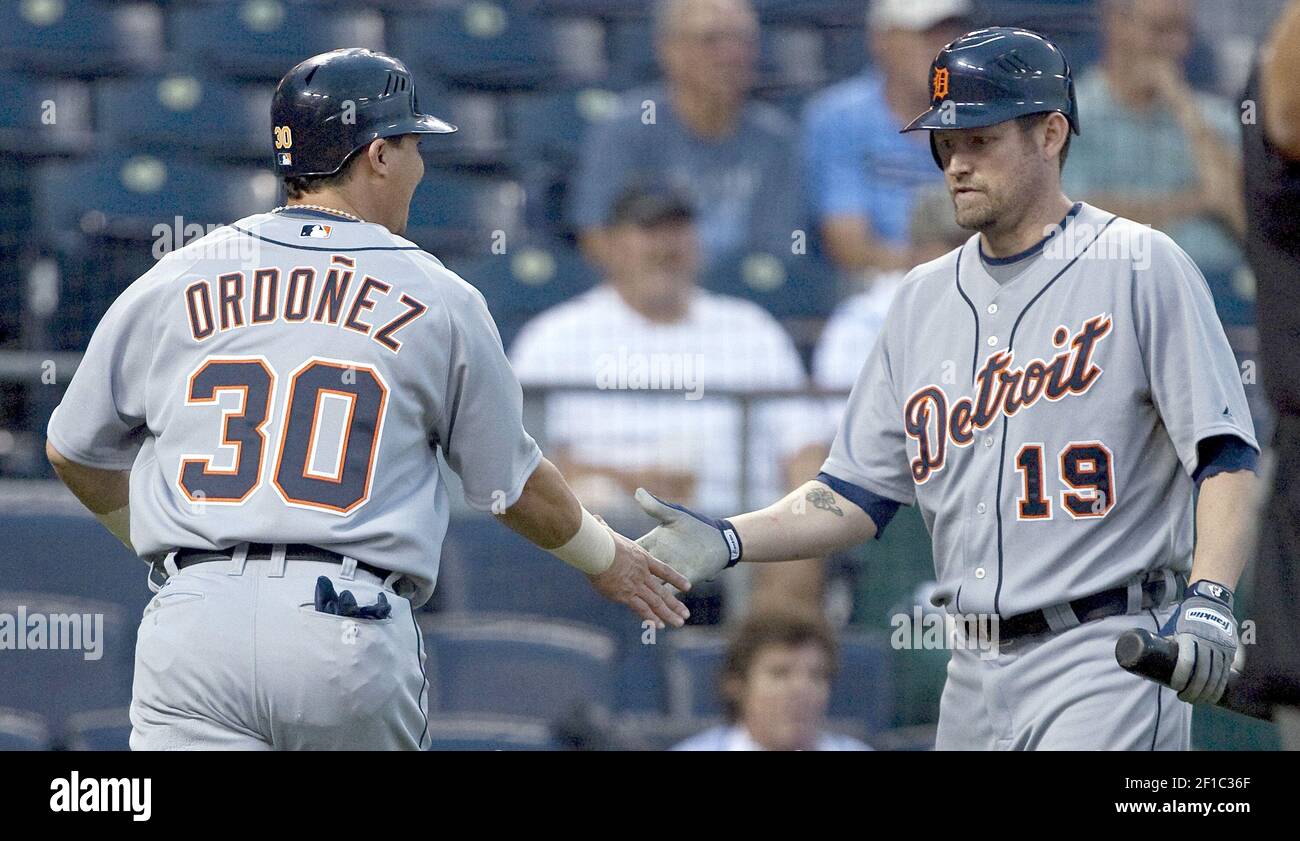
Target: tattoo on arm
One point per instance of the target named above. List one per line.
(824, 499)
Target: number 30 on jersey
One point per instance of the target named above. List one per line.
(329, 432)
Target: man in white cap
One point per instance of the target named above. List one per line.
(862, 174)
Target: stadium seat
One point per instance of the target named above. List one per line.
(23, 731)
(787, 286)
(482, 567)
(516, 665)
(263, 39)
(483, 44)
(99, 730)
(183, 112)
(863, 689)
(632, 59)
(657, 732)
(695, 658)
(485, 567)
(818, 12)
(481, 139)
(44, 541)
(455, 212)
(80, 38)
(472, 732)
(90, 667)
(550, 126)
(41, 116)
(605, 9)
(529, 278)
(128, 194)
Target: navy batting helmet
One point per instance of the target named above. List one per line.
(333, 104)
(992, 75)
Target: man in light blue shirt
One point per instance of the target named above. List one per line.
(862, 174)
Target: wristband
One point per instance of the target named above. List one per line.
(591, 549)
(1205, 588)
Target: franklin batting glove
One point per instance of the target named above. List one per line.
(1206, 632)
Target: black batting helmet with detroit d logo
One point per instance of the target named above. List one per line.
(333, 104)
(992, 75)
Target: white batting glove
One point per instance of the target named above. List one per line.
(697, 546)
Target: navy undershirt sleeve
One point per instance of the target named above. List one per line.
(1223, 454)
(880, 509)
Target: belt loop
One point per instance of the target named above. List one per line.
(277, 561)
(238, 559)
(1135, 587)
(1060, 617)
(169, 565)
(349, 571)
(1171, 594)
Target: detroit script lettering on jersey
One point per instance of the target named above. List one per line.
(1000, 389)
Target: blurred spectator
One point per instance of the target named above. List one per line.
(862, 174)
(851, 331)
(776, 688)
(1152, 148)
(649, 329)
(699, 131)
(1272, 153)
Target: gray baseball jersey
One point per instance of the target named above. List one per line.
(285, 379)
(1044, 412)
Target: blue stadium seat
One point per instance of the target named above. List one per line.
(818, 12)
(863, 691)
(483, 567)
(550, 126)
(481, 120)
(90, 668)
(80, 37)
(262, 40)
(631, 53)
(530, 277)
(695, 660)
(658, 732)
(454, 211)
(786, 285)
(516, 665)
(40, 538)
(127, 194)
(474, 732)
(483, 44)
(99, 730)
(23, 731)
(606, 9)
(185, 112)
(43, 116)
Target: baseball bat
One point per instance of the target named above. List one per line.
(1154, 658)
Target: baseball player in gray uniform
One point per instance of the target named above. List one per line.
(1052, 394)
(269, 400)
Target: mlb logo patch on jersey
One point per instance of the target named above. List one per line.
(285, 158)
(316, 231)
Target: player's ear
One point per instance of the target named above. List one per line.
(377, 155)
(1054, 130)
